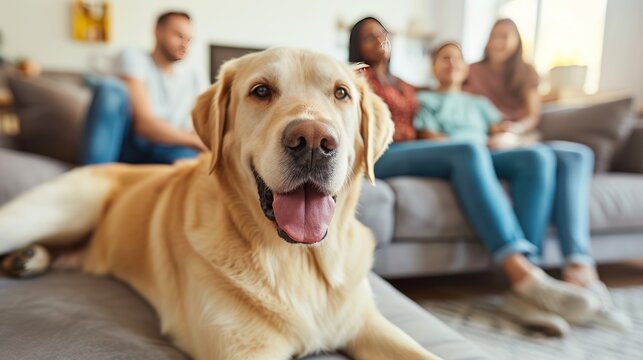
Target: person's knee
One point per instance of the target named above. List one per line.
(576, 154)
(584, 154)
(111, 92)
(466, 151)
(539, 158)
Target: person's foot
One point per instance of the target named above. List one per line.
(575, 304)
(580, 274)
(533, 317)
(608, 315)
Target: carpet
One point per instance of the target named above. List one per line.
(480, 321)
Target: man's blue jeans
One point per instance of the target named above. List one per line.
(109, 136)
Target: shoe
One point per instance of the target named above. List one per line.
(574, 303)
(532, 317)
(608, 315)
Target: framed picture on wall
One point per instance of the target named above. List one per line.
(90, 20)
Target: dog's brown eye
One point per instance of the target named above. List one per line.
(341, 93)
(261, 91)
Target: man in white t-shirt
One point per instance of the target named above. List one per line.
(143, 116)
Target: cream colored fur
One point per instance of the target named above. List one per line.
(191, 238)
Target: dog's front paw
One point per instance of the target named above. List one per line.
(29, 261)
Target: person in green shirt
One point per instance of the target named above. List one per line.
(450, 113)
(456, 115)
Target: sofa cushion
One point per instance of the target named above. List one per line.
(69, 315)
(617, 202)
(630, 158)
(427, 209)
(21, 171)
(604, 127)
(376, 210)
(51, 116)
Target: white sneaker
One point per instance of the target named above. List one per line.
(533, 317)
(574, 303)
(608, 315)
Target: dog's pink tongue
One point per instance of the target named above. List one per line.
(304, 214)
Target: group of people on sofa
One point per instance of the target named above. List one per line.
(472, 130)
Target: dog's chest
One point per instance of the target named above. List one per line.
(323, 319)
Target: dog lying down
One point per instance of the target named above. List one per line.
(252, 251)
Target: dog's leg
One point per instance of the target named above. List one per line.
(378, 339)
(59, 212)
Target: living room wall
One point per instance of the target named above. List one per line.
(40, 29)
(622, 66)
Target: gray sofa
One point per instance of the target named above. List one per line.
(421, 230)
(69, 315)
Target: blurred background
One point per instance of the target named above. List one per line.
(594, 45)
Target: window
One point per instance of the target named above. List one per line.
(561, 33)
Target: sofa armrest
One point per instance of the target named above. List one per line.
(630, 157)
(20, 172)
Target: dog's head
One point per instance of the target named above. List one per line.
(300, 125)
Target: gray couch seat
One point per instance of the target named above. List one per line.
(617, 203)
(429, 231)
(70, 315)
(427, 209)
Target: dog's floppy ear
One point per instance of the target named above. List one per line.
(209, 113)
(376, 126)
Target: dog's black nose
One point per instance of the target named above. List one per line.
(310, 140)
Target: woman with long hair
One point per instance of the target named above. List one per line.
(511, 84)
(537, 298)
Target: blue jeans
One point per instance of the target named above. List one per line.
(558, 193)
(574, 168)
(539, 177)
(109, 136)
(470, 170)
(530, 173)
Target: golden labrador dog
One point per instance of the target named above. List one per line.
(252, 251)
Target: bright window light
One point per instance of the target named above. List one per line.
(561, 33)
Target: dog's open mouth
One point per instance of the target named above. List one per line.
(302, 215)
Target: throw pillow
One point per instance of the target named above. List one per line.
(51, 116)
(603, 127)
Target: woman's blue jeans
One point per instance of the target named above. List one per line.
(574, 169)
(532, 174)
(109, 136)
